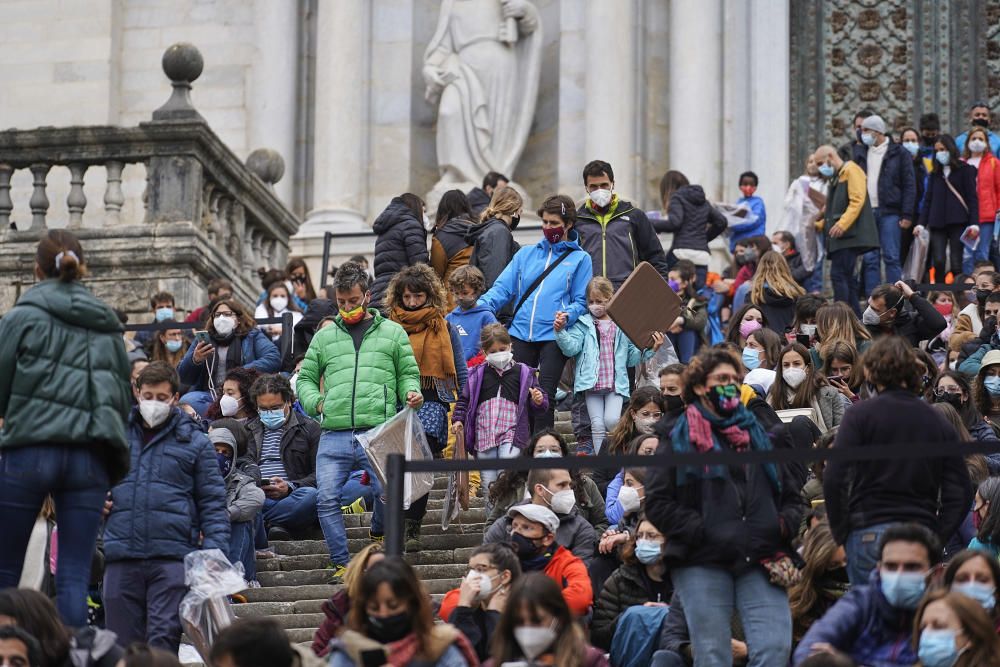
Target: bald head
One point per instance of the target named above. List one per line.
(827, 154)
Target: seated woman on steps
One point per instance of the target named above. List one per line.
(390, 622)
(338, 606)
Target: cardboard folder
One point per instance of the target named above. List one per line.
(644, 304)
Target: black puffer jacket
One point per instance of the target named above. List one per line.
(627, 587)
(401, 242)
(779, 311)
(692, 219)
(731, 523)
(493, 247)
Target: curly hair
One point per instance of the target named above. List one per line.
(467, 276)
(698, 369)
(418, 278)
(892, 362)
(244, 377)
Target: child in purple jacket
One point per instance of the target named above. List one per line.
(494, 408)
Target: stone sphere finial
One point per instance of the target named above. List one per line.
(182, 62)
(268, 164)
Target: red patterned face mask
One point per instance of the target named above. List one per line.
(554, 234)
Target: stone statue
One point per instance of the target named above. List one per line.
(482, 68)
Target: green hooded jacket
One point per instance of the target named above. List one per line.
(361, 389)
(64, 374)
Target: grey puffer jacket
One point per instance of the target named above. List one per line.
(243, 497)
(692, 219)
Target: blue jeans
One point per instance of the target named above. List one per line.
(814, 283)
(664, 658)
(763, 608)
(339, 455)
(685, 343)
(741, 294)
(862, 550)
(354, 489)
(241, 536)
(605, 409)
(142, 599)
(845, 283)
(890, 238)
(982, 251)
(296, 510)
(78, 481)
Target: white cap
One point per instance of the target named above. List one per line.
(538, 514)
(874, 123)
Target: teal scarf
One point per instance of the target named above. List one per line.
(743, 419)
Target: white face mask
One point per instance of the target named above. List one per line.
(293, 380)
(428, 223)
(533, 641)
(793, 376)
(977, 145)
(279, 303)
(224, 325)
(154, 413)
(485, 583)
(808, 329)
(600, 198)
(229, 405)
(628, 497)
(645, 425)
(562, 502)
(548, 454)
(776, 248)
(499, 360)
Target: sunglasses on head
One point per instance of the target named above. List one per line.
(300, 280)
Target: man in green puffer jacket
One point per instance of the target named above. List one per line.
(354, 374)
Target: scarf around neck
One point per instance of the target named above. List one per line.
(428, 333)
(698, 430)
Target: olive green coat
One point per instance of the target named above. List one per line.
(848, 207)
(361, 389)
(64, 374)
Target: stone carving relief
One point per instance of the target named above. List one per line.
(481, 69)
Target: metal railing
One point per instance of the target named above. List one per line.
(397, 466)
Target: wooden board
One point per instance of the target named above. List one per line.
(644, 304)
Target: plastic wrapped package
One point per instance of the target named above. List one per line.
(916, 260)
(457, 497)
(402, 434)
(205, 610)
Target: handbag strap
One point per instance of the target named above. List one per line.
(538, 281)
(955, 192)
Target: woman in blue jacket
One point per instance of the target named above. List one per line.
(545, 303)
(235, 342)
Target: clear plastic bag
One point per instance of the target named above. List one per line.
(457, 497)
(205, 610)
(916, 260)
(403, 434)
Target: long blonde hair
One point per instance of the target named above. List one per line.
(772, 269)
(836, 321)
(505, 203)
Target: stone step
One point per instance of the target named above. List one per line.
(321, 575)
(279, 608)
(299, 635)
(321, 560)
(287, 621)
(322, 592)
(428, 542)
(427, 529)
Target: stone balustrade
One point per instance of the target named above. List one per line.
(207, 214)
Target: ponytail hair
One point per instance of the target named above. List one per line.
(59, 255)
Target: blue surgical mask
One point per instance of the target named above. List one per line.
(826, 171)
(867, 138)
(173, 345)
(984, 594)
(163, 314)
(751, 358)
(944, 157)
(648, 551)
(912, 146)
(992, 385)
(273, 419)
(903, 590)
(937, 648)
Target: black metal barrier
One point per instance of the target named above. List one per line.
(284, 343)
(397, 466)
(941, 287)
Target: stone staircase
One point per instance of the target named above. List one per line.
(294, 585)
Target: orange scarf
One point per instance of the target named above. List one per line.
(428, 332)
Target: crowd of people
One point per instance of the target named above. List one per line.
(121, 454)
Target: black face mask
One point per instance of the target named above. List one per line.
(980, 122)
(525, 547)
(388, 629)
(515, 220)
(952, 398)
(981, 295)
(928, 141)
(837, 575)
(413, 309)
(673, 403)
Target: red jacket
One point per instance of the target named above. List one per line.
(565, 569)
(988, 187)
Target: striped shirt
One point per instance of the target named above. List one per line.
(270, 455)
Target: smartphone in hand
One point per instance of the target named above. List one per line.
(202, 337)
